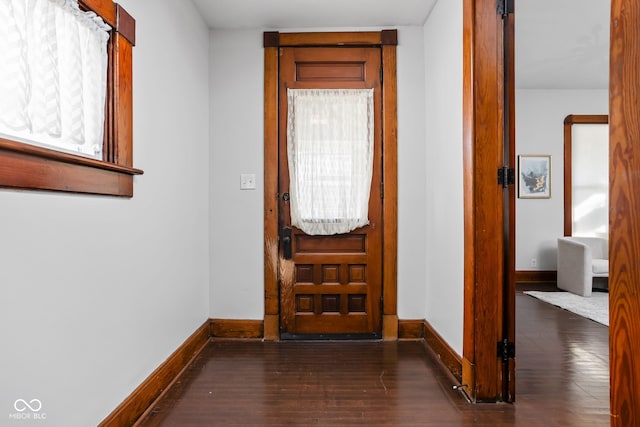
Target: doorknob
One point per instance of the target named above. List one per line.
(285, 238)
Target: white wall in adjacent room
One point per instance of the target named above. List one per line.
(540, 118)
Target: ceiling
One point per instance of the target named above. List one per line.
(278, 14)
(560, 44)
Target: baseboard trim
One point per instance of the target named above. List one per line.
(230, 328)
(135, 405)
(536, 276)
(449, 358)
(410, 329)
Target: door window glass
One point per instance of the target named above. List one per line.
(330, 157)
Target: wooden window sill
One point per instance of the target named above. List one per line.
(30, 167)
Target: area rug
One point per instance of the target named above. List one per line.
(595, 307)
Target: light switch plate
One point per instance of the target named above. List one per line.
(247, 181)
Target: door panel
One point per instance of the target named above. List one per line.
(332, 284)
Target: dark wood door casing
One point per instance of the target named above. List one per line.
(624, 213)
(508, 375)
(484, 221)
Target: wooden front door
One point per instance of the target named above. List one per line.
(330, 285)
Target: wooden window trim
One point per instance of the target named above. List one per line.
(25, 166)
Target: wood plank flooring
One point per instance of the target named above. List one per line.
(562, 380)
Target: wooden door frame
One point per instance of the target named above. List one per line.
(624, 213)
(508, 380)
(484, 247)
(387, 40)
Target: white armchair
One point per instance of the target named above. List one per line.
(580, 259)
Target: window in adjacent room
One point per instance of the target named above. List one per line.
(586, 175)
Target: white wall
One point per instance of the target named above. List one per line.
(412, 175)
(236, 100)
(97, 291)
(443, 164)
(540, 118)
(237, 280)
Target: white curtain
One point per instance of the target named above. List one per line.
(53, 75)
(330, 157)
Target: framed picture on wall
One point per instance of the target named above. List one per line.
(534, 171)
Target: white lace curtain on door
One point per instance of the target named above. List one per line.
(53, 75)
(330, 157)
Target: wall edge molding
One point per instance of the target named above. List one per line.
(410, 329)
(234, 328)
(443, 351)
(536, 276)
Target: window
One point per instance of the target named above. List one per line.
(586, 175)
(330, 156)
(96, 156)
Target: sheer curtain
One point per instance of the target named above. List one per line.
(53, 75)
(330, 157)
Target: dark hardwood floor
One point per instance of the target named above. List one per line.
(562, 380)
